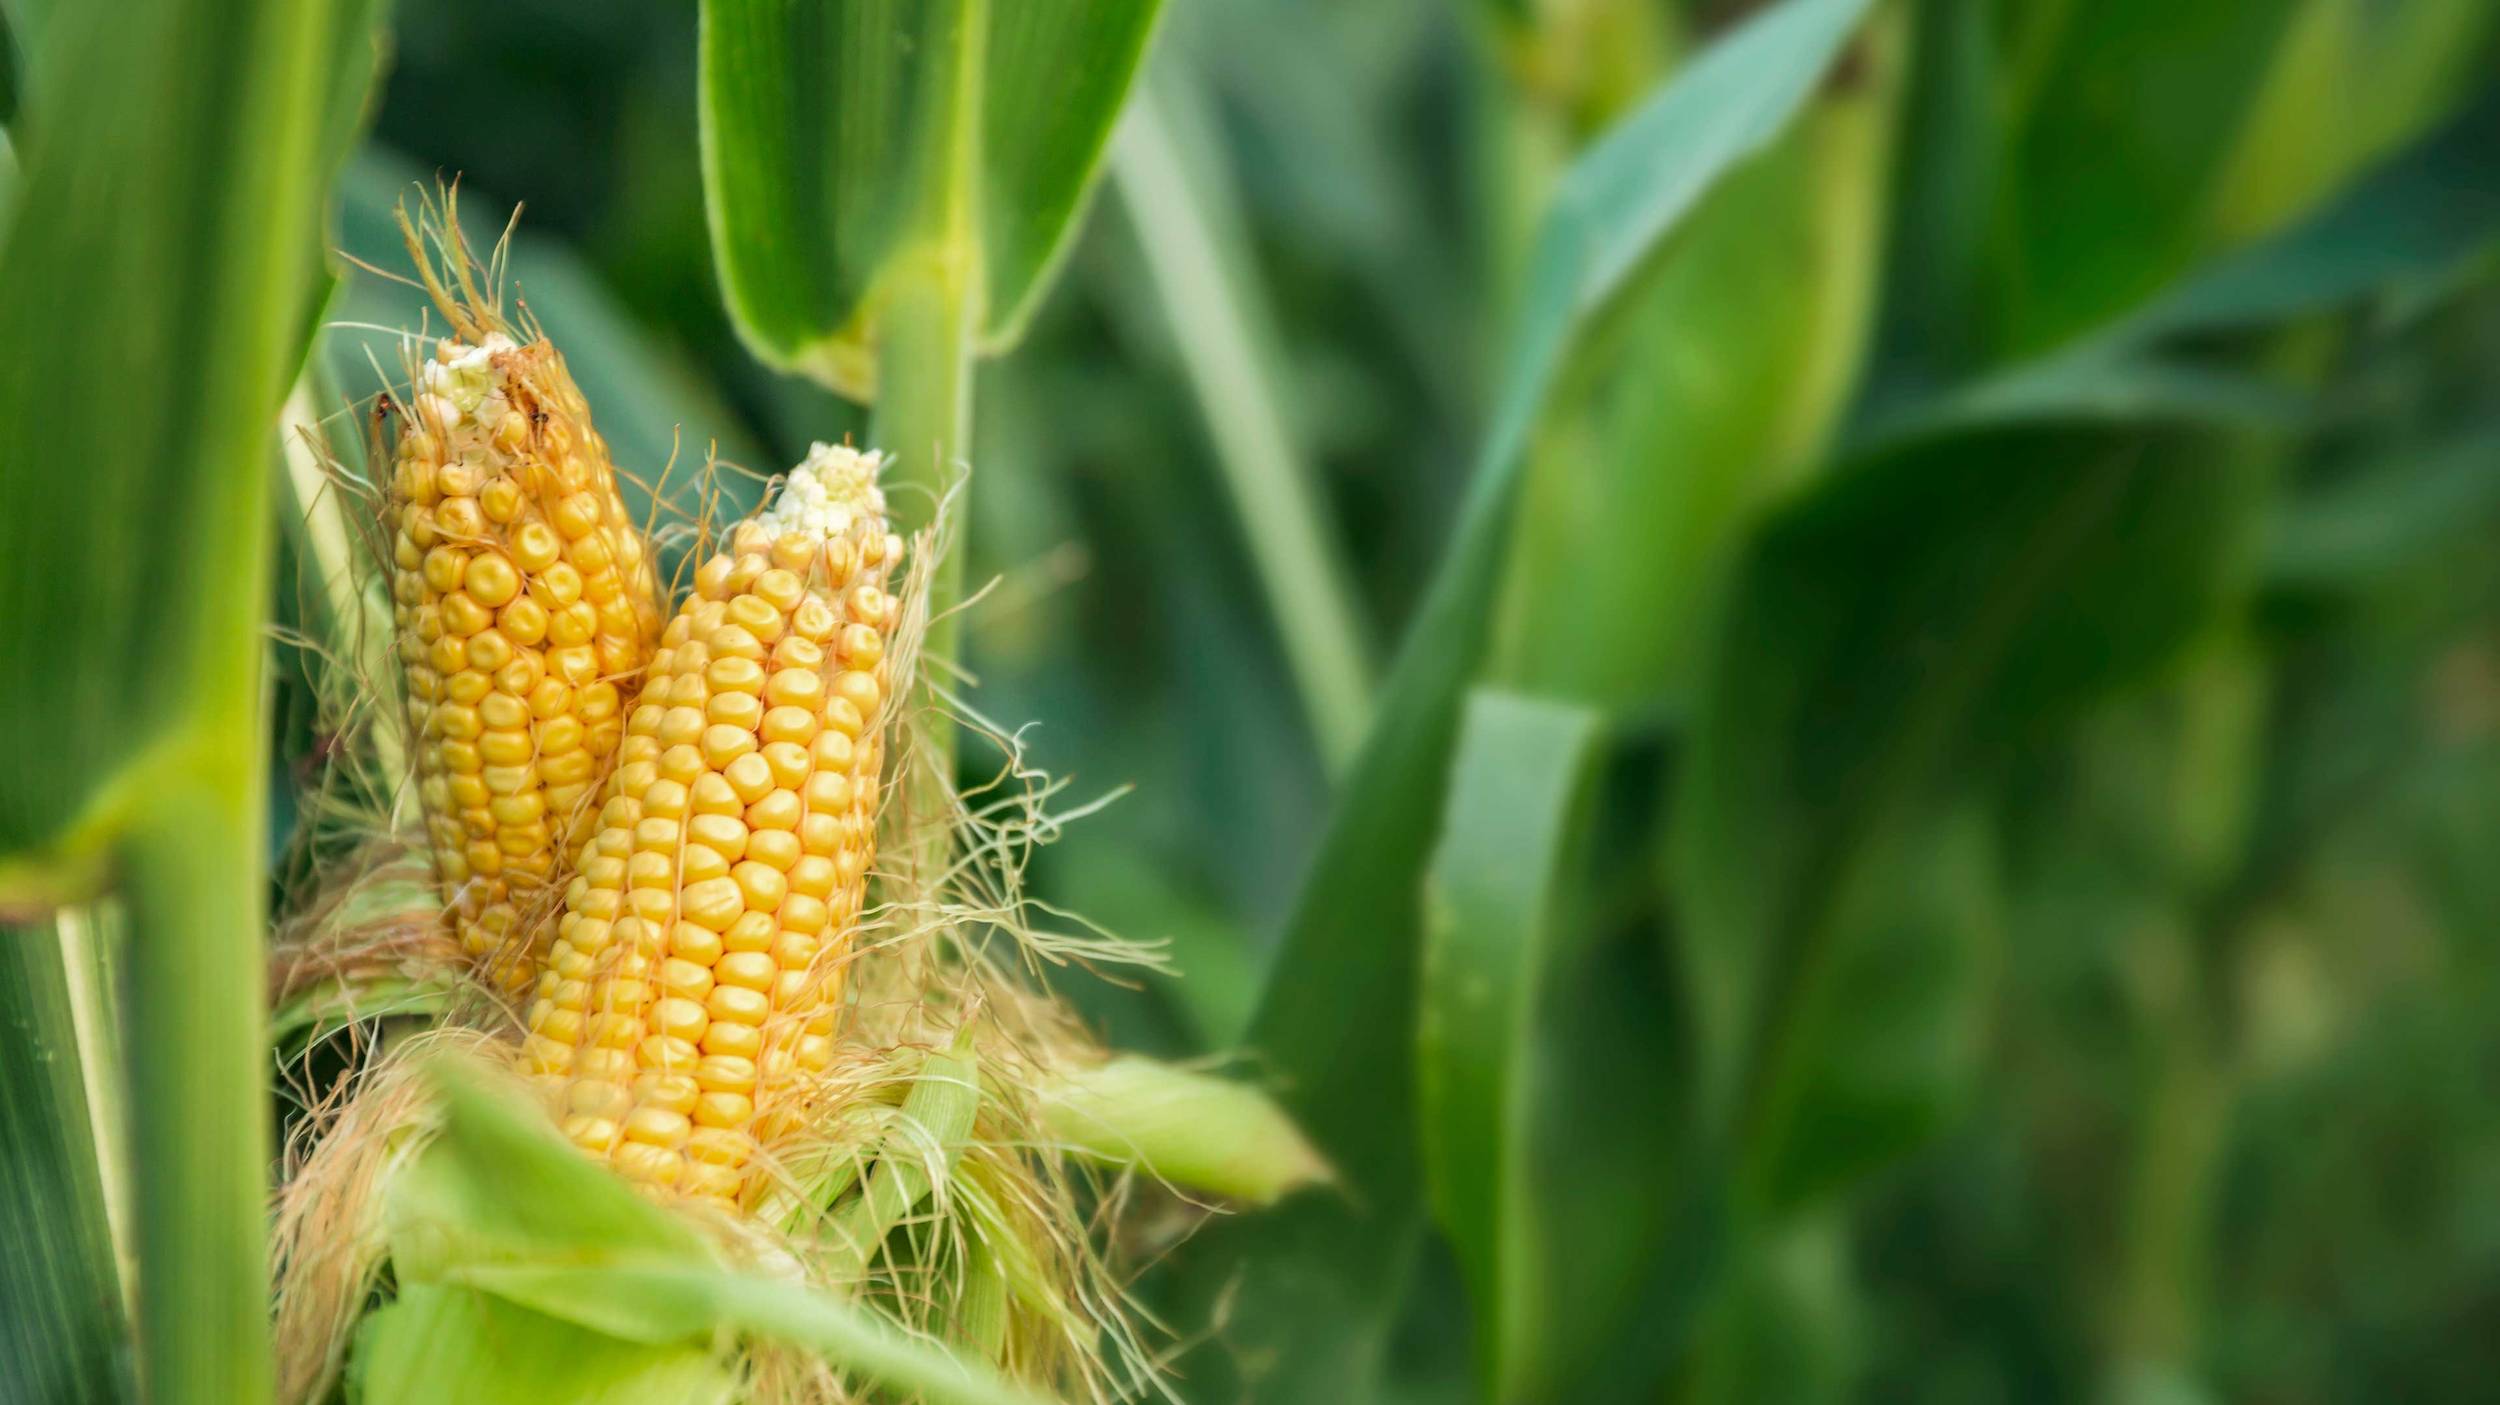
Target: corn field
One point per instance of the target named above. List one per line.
(759, 702)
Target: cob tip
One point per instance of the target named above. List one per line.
(827, 494)
(461, 377)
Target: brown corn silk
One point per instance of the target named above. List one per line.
(694, 981)
(527, 606)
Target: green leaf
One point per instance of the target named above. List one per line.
(62, 1329)
(1710, 393)
(2411, 507)
(154, 285)
(1882, 639)
(1495, 905)
(2414, 216)
(438, 1343)
(835, 134)
(2106, 187)
(11, 84)
(1337, 1020)
(499, 1204)
(1192, 1130)
(2412, 219)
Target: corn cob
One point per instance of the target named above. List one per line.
(527, 605)
(694, 976)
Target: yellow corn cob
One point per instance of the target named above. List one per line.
(694, 974)
(527, 607)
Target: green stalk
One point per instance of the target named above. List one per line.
(928, 320)
(191, 864)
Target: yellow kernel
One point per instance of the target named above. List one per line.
(713, 903)
(736, 1004)
(558, 586)
(491, 581)
(701, 862)
(732, 1037)
(813, 875)
(749, 775)
(725, 1073)
(718, 1146)
(596, 1135)
(779, 809)
(534, 546)
(776, 849)
(753, 969)
(713, 795)
(681, 1018)
(736, 675)
(795, 687)
(744, 711)
(752, 932)
(780, 588)
(801, 914)
(724, 1109)
(674, 1091)
(700, 946)
(651, 1165)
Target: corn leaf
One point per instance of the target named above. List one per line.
(438, 1343)
(830, 138)
(2410, 220)
(62, 1329)
(1711, 392)
(153, 288)
(1882, 640)
(2377, 517)
(11, 84)
(501, 1206)
(1337, 1017)
(1496, 904)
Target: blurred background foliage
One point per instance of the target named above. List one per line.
(1982, 805)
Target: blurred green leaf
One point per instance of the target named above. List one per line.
(1319, 1280)
(2120, 116)
(1708, 394)
(2411, 218)
(2376, 519)
(1494, 904)
(1890, 1047)
(1786, 1330)
(2349, 79)
(154, 286)
(2143, 137)
(1883, 638)
(828, 141)
(11, 84)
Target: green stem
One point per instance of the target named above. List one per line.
(192, 868)
(928, 320)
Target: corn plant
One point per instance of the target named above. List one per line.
(1795, 698)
